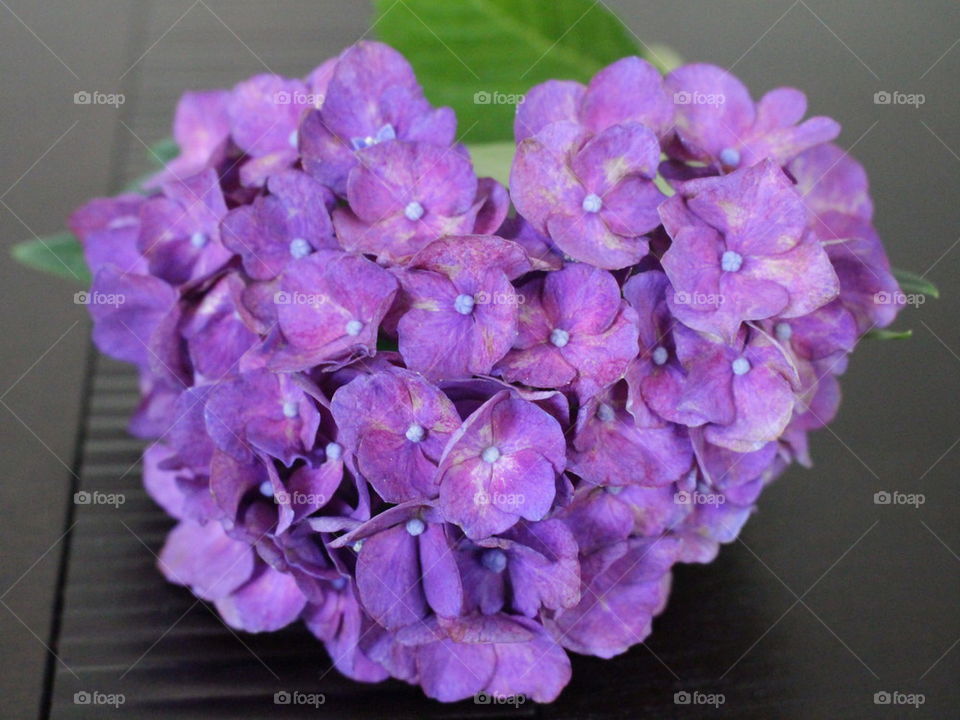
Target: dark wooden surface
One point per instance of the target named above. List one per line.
(827, 599)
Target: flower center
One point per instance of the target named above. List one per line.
(334, 451)
(605, 413)
(490, 455)
(730, 157)
(592, 203)
(614, 489)
(741, 366)
(784, 331)
(415, 526)
(266, 488)
(413, 211)
(494, 560)
(384, 133)
(659, 355)
(731, 261)
(415, 433)
(293, 138)
(198, 240)
(339, 583)
(299, 248)
(290, 409)
(559, 337)
(464, 304)
(357, 546)
(353, 328)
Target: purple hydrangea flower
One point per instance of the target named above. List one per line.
(628, 91)
(717, 122)
(728, 265)
(201, 130)
(611, 448)
(286, 225)
(402, 195)
(329, 307)
(501, 465)
(574, 329)
(592, 194)
(397, 424)
(180, 229)
(372, 97)
(461, 315)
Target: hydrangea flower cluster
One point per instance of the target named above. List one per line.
(454, 440)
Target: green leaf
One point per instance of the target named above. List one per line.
(493, 160)
(480, 56)
(888, 334)
(59, 254)
(163, 151)
(911, 283)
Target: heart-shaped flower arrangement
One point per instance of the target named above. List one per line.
(454, 440)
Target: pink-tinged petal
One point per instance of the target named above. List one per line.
(713, 108)
(764, 403)
(828, 179)
(541, 365)
(495, 204)
(265, 112)
(581, 299)
(538, 669)
(329, 308)
(757, 209)
(204, 558)
(784, 144)
(388, 578)
(804, 272)
(549, 102)
(618, 152)
(543, 567)
(501, 465)
(123, 328)
(602, 358)
(541, 182)
(398, 424)
(541, 251)
(629, 90)
(441, 576)
(621, 596)
(779, 108)
(586, 237)
(270, 601)
(201, 126)
(215, 331)
(451, 671)
(108, 229)
(469, 258)
(632, 207)
(160, 482)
